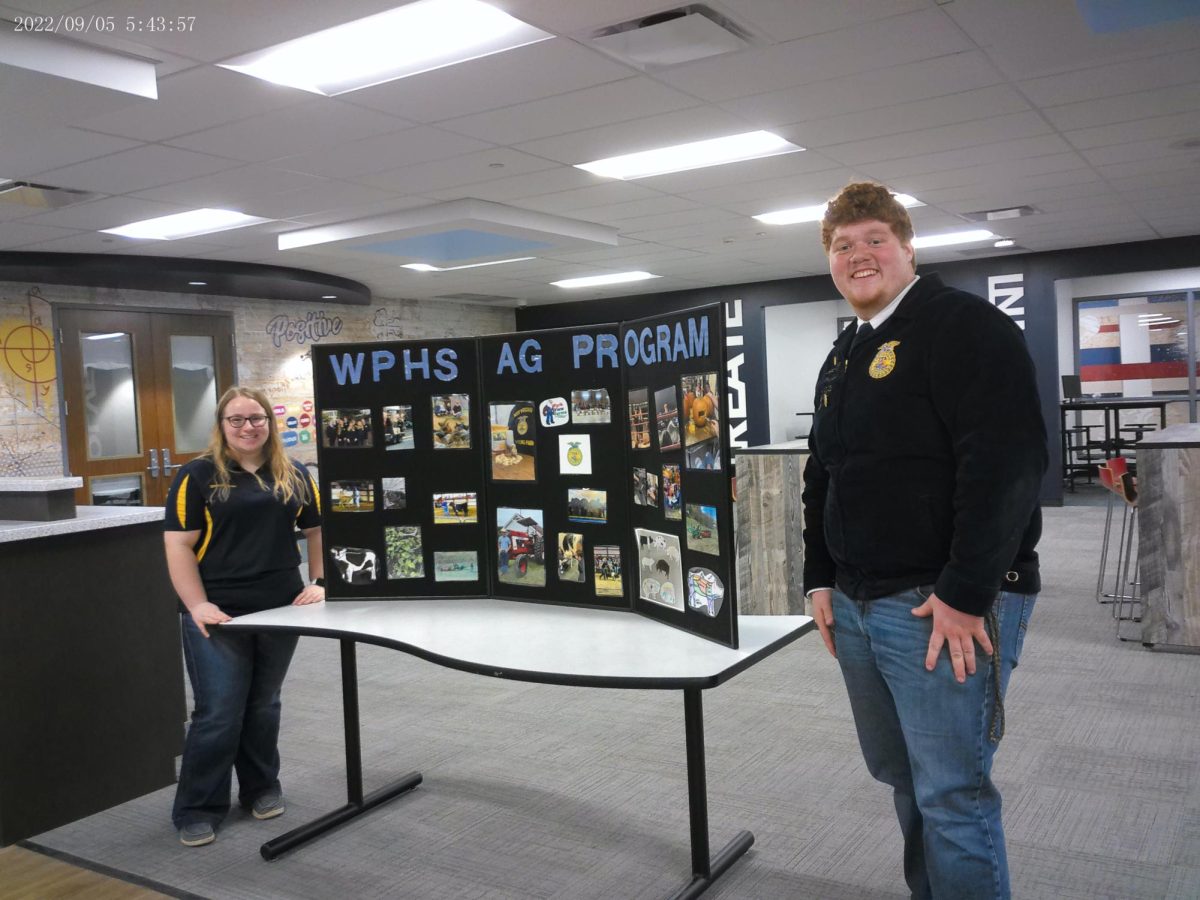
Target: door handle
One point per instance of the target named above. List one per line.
(166, 462)
(153, 467)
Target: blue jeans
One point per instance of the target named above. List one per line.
(236, 679)
(932, 739)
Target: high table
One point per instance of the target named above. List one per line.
(1169, 538)
(1111, 409)
(538, 643)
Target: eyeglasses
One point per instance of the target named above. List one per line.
(238, 421)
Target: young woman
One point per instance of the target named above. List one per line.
(231, 520)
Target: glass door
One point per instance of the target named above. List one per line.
(140, 391)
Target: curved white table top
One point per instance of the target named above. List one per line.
(539, 642)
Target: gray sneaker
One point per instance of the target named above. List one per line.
(268, 806)
(197, 834)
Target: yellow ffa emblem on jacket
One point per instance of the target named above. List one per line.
(884, 361)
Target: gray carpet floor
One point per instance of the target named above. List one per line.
(535, 791)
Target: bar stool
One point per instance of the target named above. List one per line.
(1125, 595)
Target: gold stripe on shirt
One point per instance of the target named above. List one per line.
(181, 503)
(208, 530)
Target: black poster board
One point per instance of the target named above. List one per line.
(675, 382)
(556, 470)
(401, 490)
(585, 466)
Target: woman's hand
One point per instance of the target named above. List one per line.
(207, 614)
(314, 593)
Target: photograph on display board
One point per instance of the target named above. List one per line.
(639, 419)
(660, 573)
(398, 427)
(451, 422)
(645, 487)
(701, 421)
(672, 493)
(352, 496)
(666, 412)
(608, 571)
(514, 441)
(705, 592)
(574, 454)
(455, 509)
(346, 428)
(587, 505)
(572, 564)
(395, 494)
(354, 565)
(702, 529)
(521, 545)
(455, 565)
(554, 412)
(591, 407)
(405, 555)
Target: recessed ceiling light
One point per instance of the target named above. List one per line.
(425, 267)
(694, 155)
(953, 237)
(185, 225)
(816, 212)
(408, 40)
(1004, 242)
(197, 283)
(329, 296)
(598, 280)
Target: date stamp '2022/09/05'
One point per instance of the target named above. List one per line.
(88, 24)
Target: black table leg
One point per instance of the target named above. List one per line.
(356, 803)
(704, 870)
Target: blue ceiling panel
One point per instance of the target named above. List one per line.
(455, 246)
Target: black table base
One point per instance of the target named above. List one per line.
(705, 869)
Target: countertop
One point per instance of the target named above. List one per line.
(1173, 436)
(87, 518)
(800, 446)
(39, 485)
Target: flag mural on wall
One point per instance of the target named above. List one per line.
(1133, 346)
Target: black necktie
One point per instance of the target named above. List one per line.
(865, 330)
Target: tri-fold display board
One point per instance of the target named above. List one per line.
(584, 466)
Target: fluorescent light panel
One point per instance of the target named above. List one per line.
(599, 280)
(694, 155)
(950, 238)
(185, 225)
(425, 267)
(411, 39)
(816, 212)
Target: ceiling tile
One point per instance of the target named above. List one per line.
(467, 169)
(138, 169)
(616, 101)
(23, 153)
(491, 82)
(385, 151)
(285, 132)
(849, 51)
(194, 100)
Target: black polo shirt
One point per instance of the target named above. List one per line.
(247, 544)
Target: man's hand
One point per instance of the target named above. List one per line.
(822, 606)
(957, 630)
(207, 614)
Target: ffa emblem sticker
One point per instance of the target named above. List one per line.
(884, 361)
(574, 454)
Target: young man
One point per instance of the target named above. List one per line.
(921, 519)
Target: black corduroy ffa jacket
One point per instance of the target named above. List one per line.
(927, 453)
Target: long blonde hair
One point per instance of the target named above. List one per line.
(289, 483)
